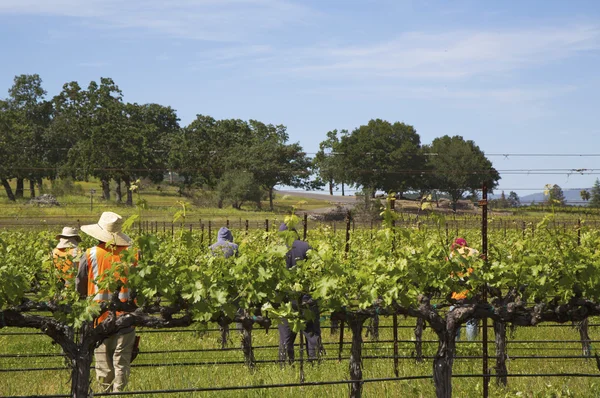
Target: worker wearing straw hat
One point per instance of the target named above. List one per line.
(66, 251)
(113, 356)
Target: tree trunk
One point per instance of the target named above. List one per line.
(586, 344)
(118, 193)
(271, 199)
(343, 194)
(356, 325)
(501, 371)
(19, 190)
(331, 188)
(443, 362)
(40, 185)
(419, 339)
(127, 182)
(80, 373)
(105, 188)
(31, 189)
(8, 189)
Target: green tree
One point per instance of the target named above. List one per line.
(554, 195)
(8, 148)
(513, 199)
(238, 188)
(585, 195)
(207, 148)
(31, 120)
(328, 162)
(595, 194)
(459, 166)
(272, 160)
(151, 130)
(382, 156)
(110, 142)
(503, 202)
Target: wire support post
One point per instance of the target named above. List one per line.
(484, 250)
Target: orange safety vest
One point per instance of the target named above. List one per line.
(98, 261)
(62, 260)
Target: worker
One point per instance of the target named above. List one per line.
(113, 356)
(224, 245)
(460, 247)
(298, 252)
(66, 252)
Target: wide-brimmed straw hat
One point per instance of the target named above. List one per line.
(108, 229)
(68, 238)
(68, 232)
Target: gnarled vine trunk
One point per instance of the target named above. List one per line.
(356, 325)
(443, 362)
(501, 355)
(419, 339)
(586, 341)
(247, 343)
(373, 328)
(80, 372)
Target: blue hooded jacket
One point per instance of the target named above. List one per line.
(224, 245)
(298, 250)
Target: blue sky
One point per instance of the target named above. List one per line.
(514, 76)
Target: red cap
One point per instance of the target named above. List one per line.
(459, 242)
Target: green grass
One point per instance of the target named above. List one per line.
(165, 377)
(163, 202)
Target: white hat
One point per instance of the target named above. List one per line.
(108, 230)
(68, 232)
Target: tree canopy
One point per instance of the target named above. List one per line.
(458, 166)
(91, 131)
(382, 156)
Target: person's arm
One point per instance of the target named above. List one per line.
(81, 282)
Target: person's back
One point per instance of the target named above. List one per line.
(113, 356)
(224, 245)
(312, 332)
(297, 252)
(66, 251)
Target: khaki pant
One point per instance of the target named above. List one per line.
(113, 359)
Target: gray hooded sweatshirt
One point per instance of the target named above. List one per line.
(224, 245)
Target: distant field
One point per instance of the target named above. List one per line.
(163, 202)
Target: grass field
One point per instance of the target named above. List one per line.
(163, 202)
(150, 371)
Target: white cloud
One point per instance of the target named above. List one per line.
(214, 20)
(450, 55)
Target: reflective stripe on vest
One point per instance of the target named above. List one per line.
(93, 261)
